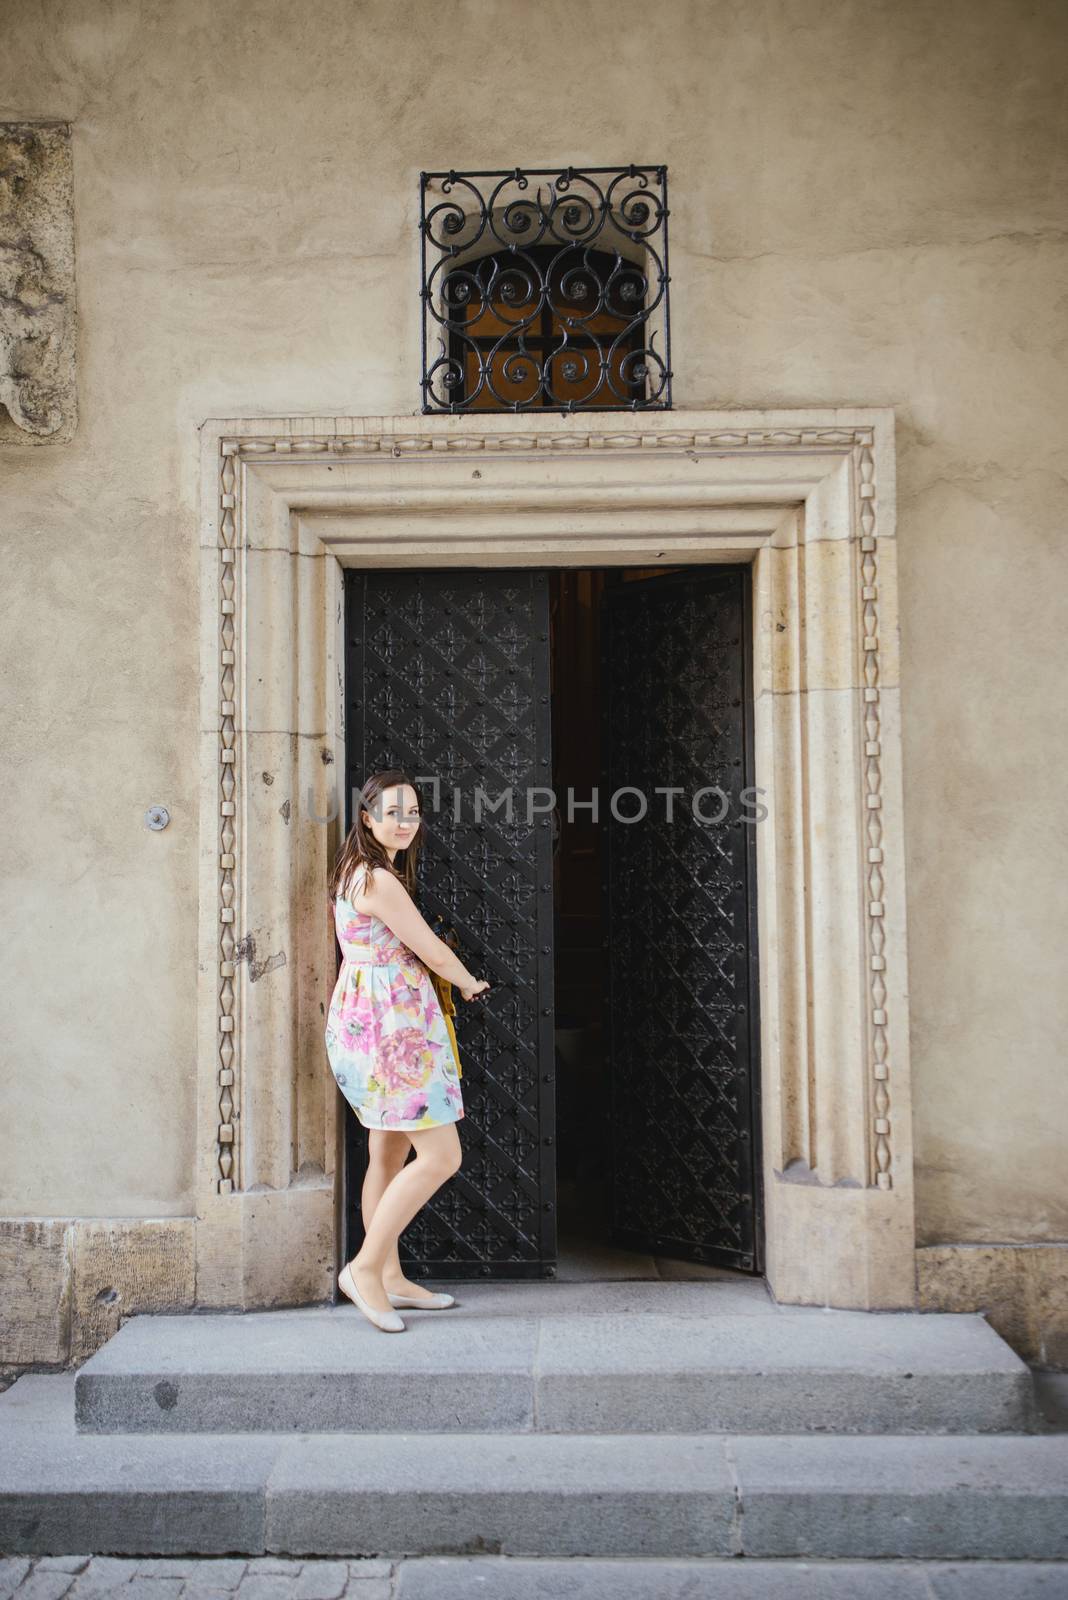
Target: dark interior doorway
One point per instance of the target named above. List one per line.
(612, 1086)
(656, 1017)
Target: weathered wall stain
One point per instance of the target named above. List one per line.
(246, 951)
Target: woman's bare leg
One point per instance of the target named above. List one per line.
(388, 1150)
(396, 1193)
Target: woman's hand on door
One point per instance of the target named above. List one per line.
(476, 989)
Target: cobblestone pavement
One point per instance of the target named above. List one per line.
(194, 1578)
(522, 1578)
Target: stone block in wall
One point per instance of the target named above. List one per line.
(70, 1283)
(127, 1266)
(38, 328)
(1021, 1288)
(35, 1270)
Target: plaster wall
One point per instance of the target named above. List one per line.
(867, 207)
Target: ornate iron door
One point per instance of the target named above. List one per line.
(680, 917)
(448, 678)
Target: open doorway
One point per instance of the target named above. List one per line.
(656, 986)
(611, 1081)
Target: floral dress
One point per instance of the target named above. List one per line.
(389, 1034)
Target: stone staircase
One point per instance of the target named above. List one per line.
(688, 1419)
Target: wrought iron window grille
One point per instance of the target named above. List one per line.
(545, 288)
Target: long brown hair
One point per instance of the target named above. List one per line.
(361, 847)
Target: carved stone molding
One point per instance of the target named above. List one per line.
(226, 1152)
(38, 396)
(798, 496)
(879, 1056)
(400, 444)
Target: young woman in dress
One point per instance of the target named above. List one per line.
(391, 1048)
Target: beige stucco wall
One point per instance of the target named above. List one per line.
(867, 207)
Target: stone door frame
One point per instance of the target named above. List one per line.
(809, 498)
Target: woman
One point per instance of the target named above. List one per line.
(391, 1047)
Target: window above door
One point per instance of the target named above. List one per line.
(545, 289)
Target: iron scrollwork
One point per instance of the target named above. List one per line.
(545, 288)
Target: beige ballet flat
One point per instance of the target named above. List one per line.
(437, 1302)
(388, 1321)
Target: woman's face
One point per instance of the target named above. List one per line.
(395, 818)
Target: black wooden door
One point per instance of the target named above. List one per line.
(448, 678)
(682, 1026)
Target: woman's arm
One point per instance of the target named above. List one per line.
(390, 901)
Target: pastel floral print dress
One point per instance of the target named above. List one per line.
(389, 1033)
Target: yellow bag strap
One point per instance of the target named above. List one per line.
(443, 989)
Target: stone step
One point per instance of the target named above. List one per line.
(716, 1578)
(681, 1367)
(947, 1497)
